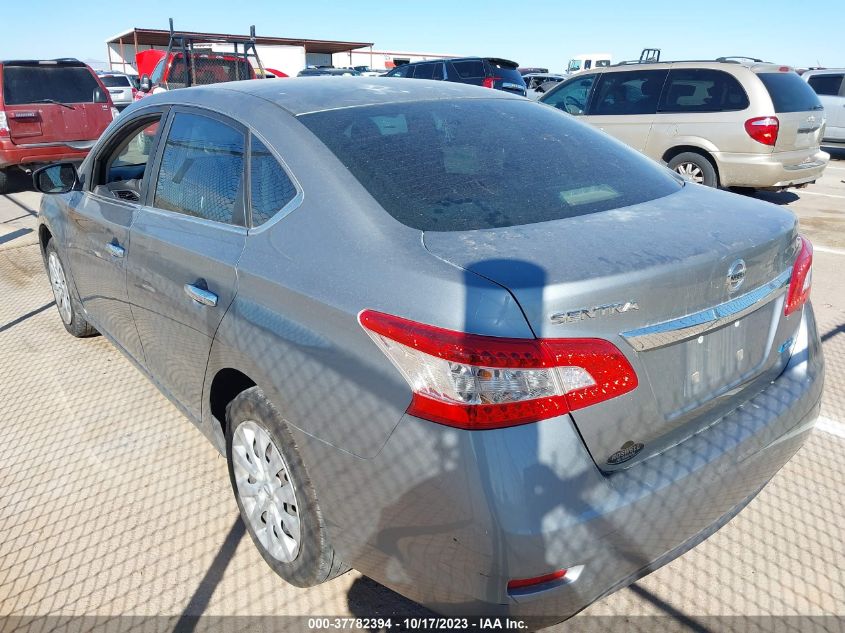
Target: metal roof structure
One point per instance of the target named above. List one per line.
(160, 37)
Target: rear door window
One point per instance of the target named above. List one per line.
(270, 187)
(470, 69)
(201, 171)
(828, 85)
(790, 93)
(455, 165)
(43, 83)
(633, 92)
(115, 81)
(702, 90)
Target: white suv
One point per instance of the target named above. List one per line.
(829, 84)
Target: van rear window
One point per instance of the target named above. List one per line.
(458, 165)
(790, 93)
(115, 81)
(43, 83)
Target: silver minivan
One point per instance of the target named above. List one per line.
(829, 84)
(721, 123)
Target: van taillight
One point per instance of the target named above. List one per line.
(763, 129)
(485, 382)
(802, 278)
(490, 82)
(4, 124)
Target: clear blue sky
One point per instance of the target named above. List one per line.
(541, 32)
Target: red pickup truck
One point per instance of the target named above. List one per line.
(160, 71)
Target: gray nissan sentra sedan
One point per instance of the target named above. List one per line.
(459, 341)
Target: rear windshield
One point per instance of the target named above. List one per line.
(115, 81)
(506, 72)
(485, 163)
(209, 70)
(790, 93)
(469, 69)
(38, 84)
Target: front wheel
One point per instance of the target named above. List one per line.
(277, 502)
(70, 309)
(695, 168)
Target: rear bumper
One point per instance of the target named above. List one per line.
(11, 154)
(447, 517)
(771, 171)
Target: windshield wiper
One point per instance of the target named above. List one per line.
(56, 102)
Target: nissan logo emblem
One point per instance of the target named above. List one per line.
(736, 275)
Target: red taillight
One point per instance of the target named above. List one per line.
(802, 278)
(763, 129)
(485, 382)
(521, 583)
(4, 124)
(490, 82)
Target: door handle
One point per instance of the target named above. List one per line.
(201, 295)
(115, 250)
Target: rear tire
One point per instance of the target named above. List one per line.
(275, 496)
(695, 167)
(68, 304)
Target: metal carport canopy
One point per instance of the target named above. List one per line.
(160, 37)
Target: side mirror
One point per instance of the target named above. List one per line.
(146, 84)
(55, 178)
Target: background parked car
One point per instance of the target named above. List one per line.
(539, 83)
(829, 85)
(369, 72)
(50, 110)
(327, 71)
(529, 70)
(720, 123)
(490, 72)
(121, 87)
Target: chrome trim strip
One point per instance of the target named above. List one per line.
(692, 325)
(71, 144)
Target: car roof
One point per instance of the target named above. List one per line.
(62, 61)
(723, 64)
(301, 95)
(495, 60)
(823, 71)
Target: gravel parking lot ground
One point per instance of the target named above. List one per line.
(112, 503)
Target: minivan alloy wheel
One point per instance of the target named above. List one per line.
(60, 290)
(691, 171)
(266, 491)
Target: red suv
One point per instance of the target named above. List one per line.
(50, 110)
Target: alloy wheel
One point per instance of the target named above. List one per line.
(266, 491)
(691, 171)
(58, 281)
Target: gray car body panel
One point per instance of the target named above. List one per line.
(446, 516)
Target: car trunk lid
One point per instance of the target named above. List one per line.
(653, 280)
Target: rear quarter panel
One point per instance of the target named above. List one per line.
(304, 278)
